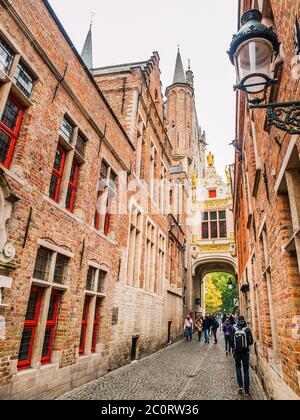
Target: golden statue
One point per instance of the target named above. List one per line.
(194, 180)
(228, 175)
(210, 160)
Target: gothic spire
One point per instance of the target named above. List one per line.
(87, 52)
(190, 75)
(179, 76)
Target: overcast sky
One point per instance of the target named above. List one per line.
(128, 31)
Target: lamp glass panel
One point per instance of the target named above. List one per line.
(255, 57)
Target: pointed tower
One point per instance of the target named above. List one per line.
(179, 76)
(87, 52)
(180, 99)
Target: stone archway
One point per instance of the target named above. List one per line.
(208, 265)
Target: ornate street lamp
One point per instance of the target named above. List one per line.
(230, 284)
(253, 52)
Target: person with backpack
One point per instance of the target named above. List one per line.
(228, 334)
(214, 328)
(242, 341)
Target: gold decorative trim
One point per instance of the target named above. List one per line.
(206, 249)
(216, 203)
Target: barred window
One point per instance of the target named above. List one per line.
(80, 144)
(101, 281)
(60, 271)
(91, 279)
(6, 56)
(42, 264)
(24, 79)
(67, 128)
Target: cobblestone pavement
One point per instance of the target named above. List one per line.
(183, 371)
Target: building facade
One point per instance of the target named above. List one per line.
(94, 198)
(266, 211)
(213, 239)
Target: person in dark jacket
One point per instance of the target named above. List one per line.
(228, 335)
(224, 318)
(214, 328)
(206, 328)
(242, 340)
(232, 320)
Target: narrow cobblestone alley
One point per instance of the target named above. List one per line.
(184, 371)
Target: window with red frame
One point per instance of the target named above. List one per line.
(212, 194)
(30, 326)
(214, 225)
(96, 326)
(50, 327)
(57, 173)
(84, 325)
(9, 130)
(72, 186)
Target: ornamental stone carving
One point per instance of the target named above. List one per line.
(7, 200)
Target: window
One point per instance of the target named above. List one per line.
(30, 326)
(24, 79)
(91, 279)
(96, 279)
(110, 196)
(42, 264)
(57, 173)
(161, 264)
(101, 281)
(9, 130)
(150, 257)
(60, 271)
(96, 325)
(84, 325)
(214, 225)
(115, 316)
(6, 57)
(134, 249)
(80, 144)
(50, 327)
(72, 186)
(222, 224)
(153, 189)
(67, 128)
(107, 191)
(140, 149)
(212, 194)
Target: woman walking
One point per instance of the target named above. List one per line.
(199, 327)
(228, 335)
(188, 328)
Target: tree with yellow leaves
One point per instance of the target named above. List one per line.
(213, 297)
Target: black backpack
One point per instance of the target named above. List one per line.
(241, 340)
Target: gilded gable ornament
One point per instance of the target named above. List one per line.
(211, 160)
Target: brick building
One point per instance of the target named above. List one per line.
(94, 193)
(213, 240)
(267, 208)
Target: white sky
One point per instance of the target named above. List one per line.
(128, 31)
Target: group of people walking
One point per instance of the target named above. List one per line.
(238, 340)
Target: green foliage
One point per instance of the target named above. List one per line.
(228, 296)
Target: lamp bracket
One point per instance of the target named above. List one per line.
(283, 115)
